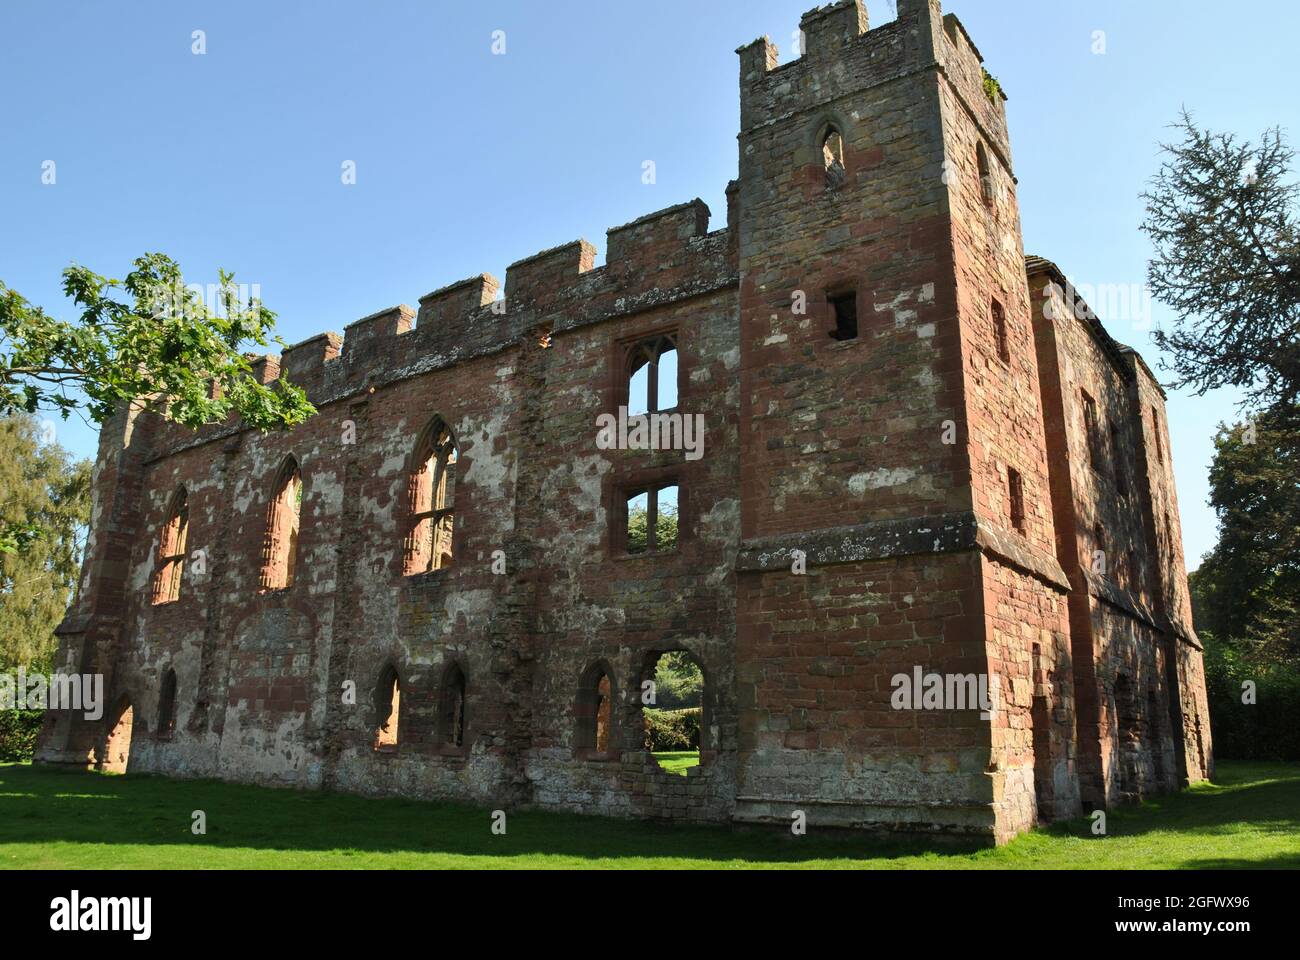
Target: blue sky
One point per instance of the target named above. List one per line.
(466, 160)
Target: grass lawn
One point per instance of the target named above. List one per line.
(677, 761)
(67, 819)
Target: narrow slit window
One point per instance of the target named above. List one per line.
(1016, 490)
(1000, 331)
(594, 710)
(167, 705)
(451, 719)
(1100, 555)
(985, 174)
(1092, 430)
(833, 158)
(844, 313)
(388, 702)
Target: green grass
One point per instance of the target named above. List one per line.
(63, 819)
(677, 761)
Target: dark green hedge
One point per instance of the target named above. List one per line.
(1269, 729)
(672, 729)
(18, 730)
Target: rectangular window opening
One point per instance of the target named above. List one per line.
(1092, 430)
(652, 520)
(1017, 491)
(844, 311)
(1000, 332)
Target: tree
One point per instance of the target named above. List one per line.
(1247, 592)
(638, 524)
(679, 682)
(1222, 217)
(44, 506)
(160, 345)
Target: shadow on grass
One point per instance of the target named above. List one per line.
(39, 805)
(1257, 801)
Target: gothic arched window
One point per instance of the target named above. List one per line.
(432, 500)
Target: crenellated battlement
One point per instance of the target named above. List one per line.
(660, 258)
(361, 337)
(842, 54)
(541, 278)
(449, 303)
(306, 360)
(827, 29)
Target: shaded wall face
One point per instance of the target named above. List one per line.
(1032, 733)
(1109, 497)
(1003, 420)
(1098, 446)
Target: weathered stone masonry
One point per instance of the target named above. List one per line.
(978, 476)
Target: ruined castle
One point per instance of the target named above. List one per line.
(921, 453)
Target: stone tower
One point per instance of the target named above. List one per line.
(891, 433)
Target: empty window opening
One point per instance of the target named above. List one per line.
(604, 706)
(167, 705)
(1134, 572)
(844, 313)
(280, 548)
(1099, 560)
(432, 495)
(171, 551)
(1000, 331)
(985, 174)
(652, 376)
(1016, 488)
(1092, 430)
(652, 520)
(451, 707)
(833, 158)
(594, 711)
(673, 712)
(1155, 429)
(115, 751)
(388, 702)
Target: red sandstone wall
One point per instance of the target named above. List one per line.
(834, 448)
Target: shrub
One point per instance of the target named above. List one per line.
(18, 730)
(672, 729)
(1268, 729)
